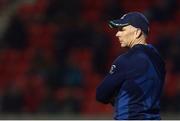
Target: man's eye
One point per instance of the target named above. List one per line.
(119, 29)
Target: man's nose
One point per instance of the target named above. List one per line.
(117, 34)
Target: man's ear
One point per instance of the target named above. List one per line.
(138, 33)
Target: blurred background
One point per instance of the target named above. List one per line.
(54, 53)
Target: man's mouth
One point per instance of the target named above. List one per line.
(120, 40)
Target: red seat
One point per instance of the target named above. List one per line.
(34, 93)
(136, 5)
(40, 6)
(41, 36)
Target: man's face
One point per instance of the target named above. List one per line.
(126, 35)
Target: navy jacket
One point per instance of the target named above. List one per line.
(134, 84)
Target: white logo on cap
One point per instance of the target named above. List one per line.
(112, 69)
(123, 16)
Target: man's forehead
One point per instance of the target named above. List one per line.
(125, 27)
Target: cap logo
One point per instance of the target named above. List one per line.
(123, 16)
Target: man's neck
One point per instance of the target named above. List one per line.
(140, 40)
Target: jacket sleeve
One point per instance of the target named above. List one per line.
(109, 87)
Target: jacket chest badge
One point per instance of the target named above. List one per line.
(112, 70)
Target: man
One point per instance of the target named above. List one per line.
(135, 81)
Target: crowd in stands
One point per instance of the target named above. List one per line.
(54, 53)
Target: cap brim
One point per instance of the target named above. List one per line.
(117, 23)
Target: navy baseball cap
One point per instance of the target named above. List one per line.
(135, 19)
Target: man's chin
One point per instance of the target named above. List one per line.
(123, 45)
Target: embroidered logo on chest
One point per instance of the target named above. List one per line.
(112, 70)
